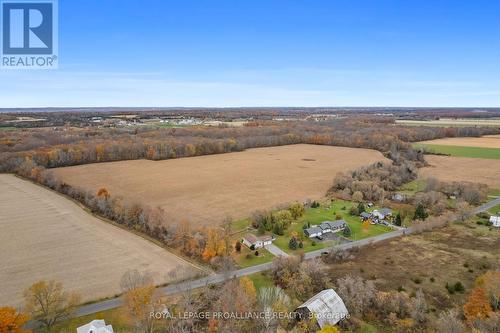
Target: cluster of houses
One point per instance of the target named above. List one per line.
(378, 216)
(324, 228)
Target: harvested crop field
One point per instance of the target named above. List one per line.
(477, 170)
(207, 189)
(489, 141)
(46, 236)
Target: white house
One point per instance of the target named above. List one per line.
(95, 326)
(326, 306)
(325, 227)
(257, 242)
(495, 221)
(382, 213)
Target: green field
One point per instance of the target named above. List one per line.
(413, 187)
(494, 192)
(8, 128)
(460, 151)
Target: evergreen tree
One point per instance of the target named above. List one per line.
(398, 221)
(420, 213)
(361, 208)
(293, 244)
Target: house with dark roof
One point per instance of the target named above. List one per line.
(365, 216)
(313, 232)
(333, 226)
(326, 306)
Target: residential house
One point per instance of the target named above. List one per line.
(326, 306)
(257, 242)
(382, 213)
(95, 326)
(335, 226)
(495, 221)
(325, 227)
(313, 232)
(365, 216)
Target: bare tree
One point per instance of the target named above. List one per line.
(133, 279)
(356, 293)
(448, 322)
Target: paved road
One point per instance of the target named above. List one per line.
(487, 206)
(218, 278)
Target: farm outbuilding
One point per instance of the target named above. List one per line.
(95, 326)
(495, 221)
(326, 306)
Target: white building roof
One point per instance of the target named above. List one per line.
(95, 326)
(327, 307)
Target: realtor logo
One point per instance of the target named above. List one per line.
(29, 34)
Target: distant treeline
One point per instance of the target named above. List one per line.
(50, 148)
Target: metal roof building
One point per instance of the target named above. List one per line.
(326, 306)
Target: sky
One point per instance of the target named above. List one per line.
(222, 53)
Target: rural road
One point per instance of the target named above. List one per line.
(488, 205)
(218, 278)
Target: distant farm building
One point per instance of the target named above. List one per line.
(325, 227)
(326, 306)
(95, 326)
(257, 242)
(495, 221)
(399, 197)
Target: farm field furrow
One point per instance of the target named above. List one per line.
(207, 189)
(47, 236)
(448, 168)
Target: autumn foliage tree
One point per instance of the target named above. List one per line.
(215, 245)
(477, 306)
(48, 303)
(12, 321)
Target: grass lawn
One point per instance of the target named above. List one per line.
(8, 128)
(475, 152)
(240, 225)
(494, 192)
(114, 317)
(494, 209)
(413, 187)
(261, 280)
(315, 216)
(252, 260)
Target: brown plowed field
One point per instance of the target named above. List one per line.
(488, 141)
(43, 235)
(207, 189)
(477, 170)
